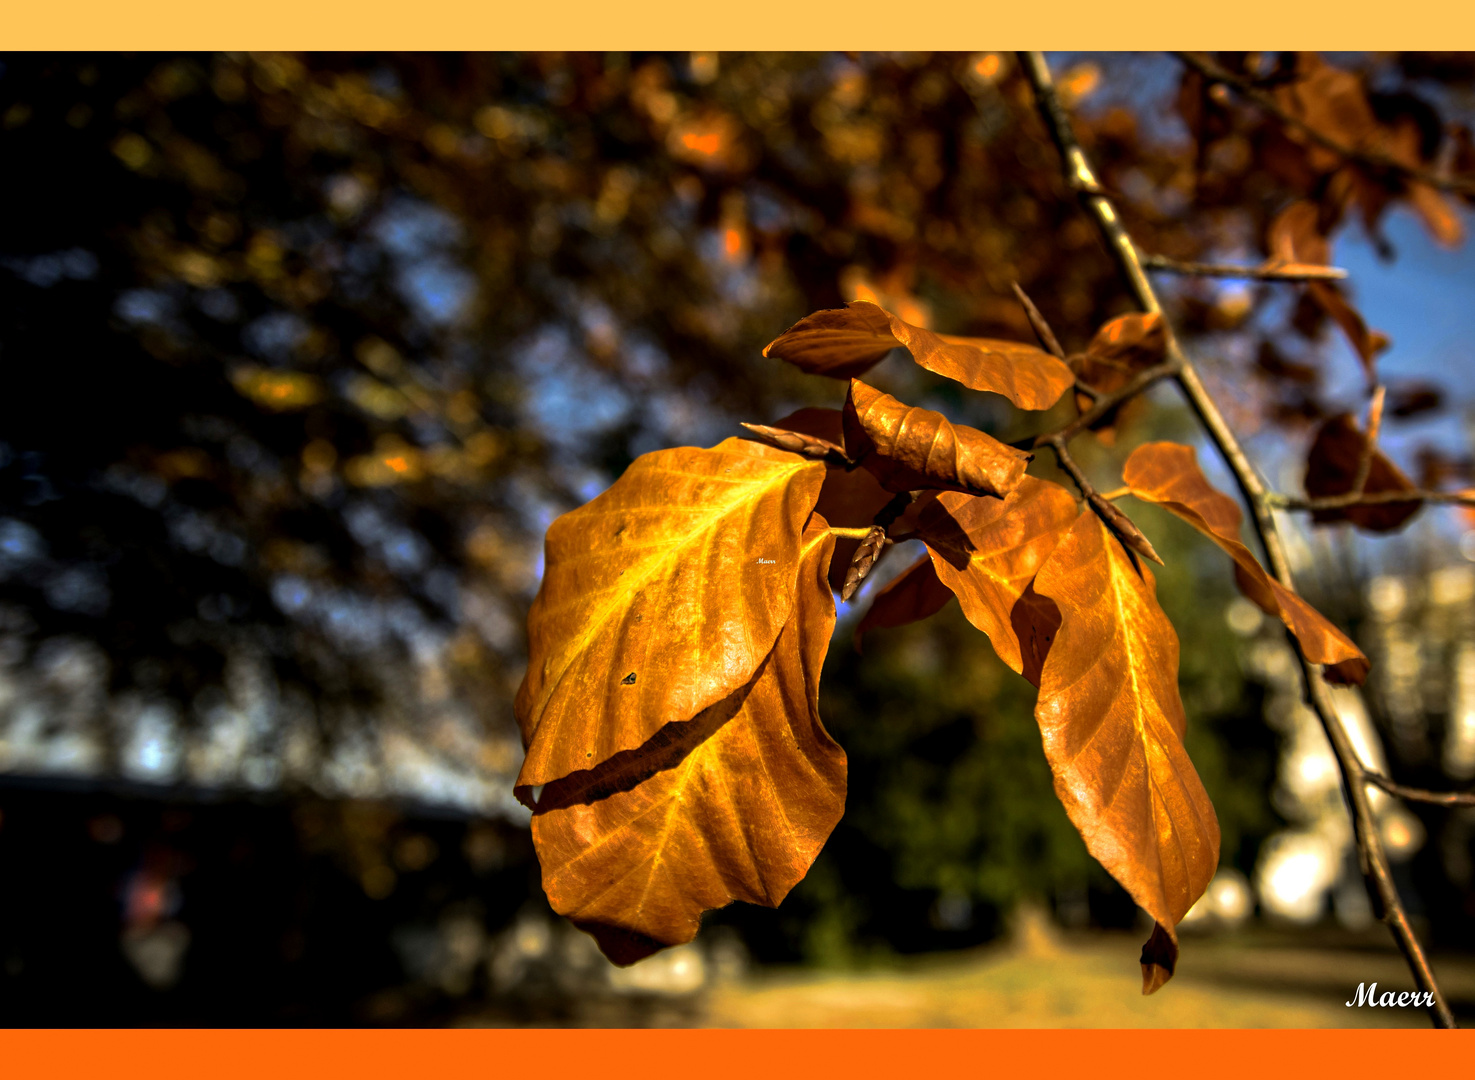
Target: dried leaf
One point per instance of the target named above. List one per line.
(681, 574)
(839, 342)
(1113, 725)
(1296, 236)
(731, 805)
(847, 342)
(1331, 469)
(910, 449)
(1122, 347)
(911, 596)
(1368, 344)
(1035, 620)
(1168, 474)
(986, 551)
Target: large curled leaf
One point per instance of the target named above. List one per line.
(1168, 474)
(732, 805)
(846, 342)
(909, 448)
(659, 598)
(1113, 725)
(987, 550)
(1331, 469)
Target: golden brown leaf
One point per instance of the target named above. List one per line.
(1113, 726)
(846, 342)
(1122, 347)
(987, 550)
(659, 598)
(732, 805)
(1168, 474)
(909, 448)
(1331, 469)
(839, 342)
(911, 596)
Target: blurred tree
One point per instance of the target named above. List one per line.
(305, 353)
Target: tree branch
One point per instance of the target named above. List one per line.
(1300, 272)
(1371, 158)
(1437, 798)
(1378, 498)
(1371, 855)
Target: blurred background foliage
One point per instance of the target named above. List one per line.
(303, 354)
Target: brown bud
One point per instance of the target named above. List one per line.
(796, 442)
(864, 558)
(1122, 525)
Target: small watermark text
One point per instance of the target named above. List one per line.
(1367, 994)
(767, 562)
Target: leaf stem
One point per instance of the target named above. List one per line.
(1355, 776)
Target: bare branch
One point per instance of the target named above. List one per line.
(1379, 498)
(1041, 326)
(1299, 272)
(1437, 798)
(1371, 855)
(1371, 158)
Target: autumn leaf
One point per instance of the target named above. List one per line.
(1298, 237)
(1113, 725)
(1331, 469)
(846, 342)
(1122, 348)
(908, 448)
(659, 598)
(913, 595)
(1168, 474)
(839, 342)
(986, 551)
(733, 804)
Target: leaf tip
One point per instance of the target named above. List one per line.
(1159, 958)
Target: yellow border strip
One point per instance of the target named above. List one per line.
(737, 24)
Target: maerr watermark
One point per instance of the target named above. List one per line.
(1367, 994)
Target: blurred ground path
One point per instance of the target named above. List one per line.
(1250, 980)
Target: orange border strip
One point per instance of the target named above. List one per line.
(718, 1055)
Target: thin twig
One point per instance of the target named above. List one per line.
(1300, 272)
(1376, 498)
(1104, 403)
(1040, 324)
(1371, 855)
(1371, 158)
(1437, 798)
